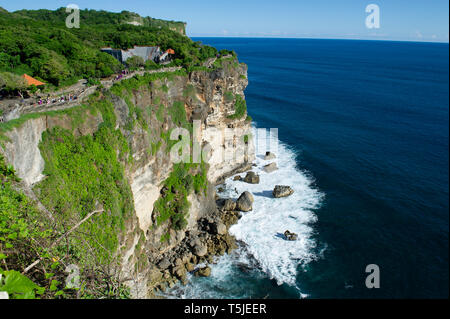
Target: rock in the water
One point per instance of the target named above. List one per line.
(229, 205)
(203, 272)
(220, 190)
(290, 236)
(251, 178)
(269, 168)
(237, 178)
(245, 202)
(282, 191)
(269, 156)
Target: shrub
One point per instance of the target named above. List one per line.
(173, 205)
(229, 96)
(135, 62)
(240, 108)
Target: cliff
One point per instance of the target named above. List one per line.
(113, 154)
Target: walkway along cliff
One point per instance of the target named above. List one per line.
(154, 220)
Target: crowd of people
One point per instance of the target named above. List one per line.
(72, 97)
(61, 99)
(121, 75)
(48, 100)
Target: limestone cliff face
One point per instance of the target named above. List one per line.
(207, 98)
(144, 116)
(22, 151)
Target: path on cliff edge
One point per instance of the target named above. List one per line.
(85, 93)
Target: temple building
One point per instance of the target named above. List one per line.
(146, 53)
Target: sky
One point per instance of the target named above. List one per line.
(403, 20)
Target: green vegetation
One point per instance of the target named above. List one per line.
(229, 96)
(83, 174)
(173, 206)
(165, 88)
(201, 180)
(19, 286)
(135, 62)
(127, 87)
(77, 115)
(177, 113)
(160, 113)
(225, 52)
(23, 237)
(85, 185)
(151, 65)
(156, 147)
(11, 83)
(93, 17)
(240, 108)
(190, 91)
(38, 43)
(27, 235)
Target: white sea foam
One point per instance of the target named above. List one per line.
(224, 281)
(261, 230)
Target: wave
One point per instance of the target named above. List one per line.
(263, 252)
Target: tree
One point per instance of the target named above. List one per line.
(151, 65)
(38, 43)
(50, 66)
(12, 83)
(207, 52)
(135, 62)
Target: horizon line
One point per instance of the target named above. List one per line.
(312, 38)
(248, 37)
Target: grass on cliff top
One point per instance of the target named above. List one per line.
(129, 85)
(76, 114)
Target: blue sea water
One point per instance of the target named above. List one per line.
(365, 126)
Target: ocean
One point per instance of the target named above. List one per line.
(363, 131)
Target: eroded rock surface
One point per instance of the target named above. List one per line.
(245, 202)
(282, 191)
